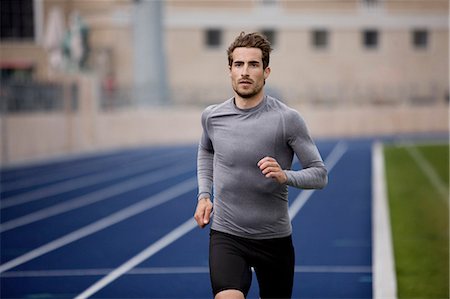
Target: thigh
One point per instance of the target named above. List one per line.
(228, 267)
(274, 268)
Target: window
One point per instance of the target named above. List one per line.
(269, 2)
(319, 38)
(420, 38)
(213, 38)
(17, 19)
(270, 34)
(370, 39)
(370, 3)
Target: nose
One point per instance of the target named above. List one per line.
(244, 72)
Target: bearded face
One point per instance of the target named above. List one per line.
(247, 73)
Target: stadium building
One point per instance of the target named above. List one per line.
(329, 57)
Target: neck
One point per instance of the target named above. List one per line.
(247, 103)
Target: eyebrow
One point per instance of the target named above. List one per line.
(251, 61)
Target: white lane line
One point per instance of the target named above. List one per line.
(429, 171)
(142, 256)
(76, 183)
(73, 168)
(171, 237)
(335, 155)
(96, 196)
(137, 208)
(172, 270)
(333, 269)
(384, 279)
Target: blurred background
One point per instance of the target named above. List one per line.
(81, 76)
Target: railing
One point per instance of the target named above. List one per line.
(30, 96)
(112, 99)
(328, 95)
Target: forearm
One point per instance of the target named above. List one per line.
(308, 178)
(205, 161)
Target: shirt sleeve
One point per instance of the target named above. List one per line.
(205, 160)
(313, 174)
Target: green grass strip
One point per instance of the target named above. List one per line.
(419, 220)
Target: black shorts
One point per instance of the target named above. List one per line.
(231, 259)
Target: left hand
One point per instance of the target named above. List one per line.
(271, 169)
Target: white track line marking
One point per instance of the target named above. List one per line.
(142, 256)
(105, 222)
(76, 183)
(335, 155)
(333, 269)
(66, 171)
(172, 270)
(96, 196)
(384, 280)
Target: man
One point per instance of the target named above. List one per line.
(246, 151)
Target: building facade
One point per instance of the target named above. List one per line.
(325, 52)
(353, 52)
(352, 68)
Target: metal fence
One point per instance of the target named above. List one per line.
(31, 96)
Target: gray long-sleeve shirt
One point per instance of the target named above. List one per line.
(246, 203)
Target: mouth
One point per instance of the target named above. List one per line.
(245, 82)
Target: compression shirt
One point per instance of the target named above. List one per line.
(246, 203)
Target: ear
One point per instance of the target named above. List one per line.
(266, 72)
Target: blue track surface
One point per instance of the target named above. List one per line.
(116, 205)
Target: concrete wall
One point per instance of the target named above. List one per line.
(42, 136)
(343, 90)
(373, 121)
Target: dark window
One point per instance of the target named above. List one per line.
(370, 2)
(319, 38)
(420, 38)
(16, 19)
(370, 39)
(269, 2)
(270, 34)
(213, 38)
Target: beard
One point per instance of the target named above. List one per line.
(247, 93)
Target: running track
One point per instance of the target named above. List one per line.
(119, 225)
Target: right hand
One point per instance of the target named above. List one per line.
(203, 212)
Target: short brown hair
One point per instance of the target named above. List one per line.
(251, 40)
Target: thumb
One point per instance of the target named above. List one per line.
(207, 215)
